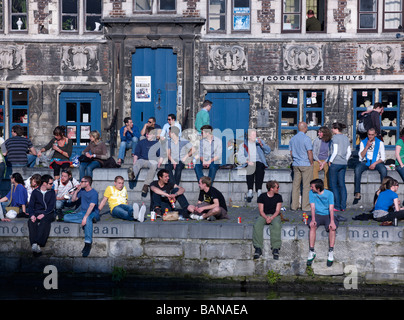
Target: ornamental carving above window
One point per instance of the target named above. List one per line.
(11, 57)
(302, 57)
(227, 58)
(379, 56)
(79, 58)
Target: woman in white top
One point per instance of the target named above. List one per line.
(338, 162)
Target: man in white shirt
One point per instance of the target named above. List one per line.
(171, 122)
(62, 187)
(371, 156)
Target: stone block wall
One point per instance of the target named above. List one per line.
(212, 251)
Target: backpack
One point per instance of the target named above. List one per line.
(364, 123)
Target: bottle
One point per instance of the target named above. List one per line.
(172, 203)
(72, 189)
(305, 217)
(153, 216)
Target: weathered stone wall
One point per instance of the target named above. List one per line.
(217, 251)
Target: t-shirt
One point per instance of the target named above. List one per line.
(115, 196)
(88, 197)
(322, 201)
(62, 189)
(385, 200)
(270, 203)
(19, 195)
(202, 118)
(17, 148)
(179, 150)
(166, 188)
(400, 143)
(212, 194)
(147, 150)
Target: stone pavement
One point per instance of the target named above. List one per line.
(249, 212)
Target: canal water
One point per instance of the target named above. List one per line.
(71, 287)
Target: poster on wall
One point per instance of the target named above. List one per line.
(142, 89)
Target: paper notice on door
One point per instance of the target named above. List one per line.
(143, 89)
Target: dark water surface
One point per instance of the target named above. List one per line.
(71, 287)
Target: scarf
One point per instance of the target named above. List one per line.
(375, 151)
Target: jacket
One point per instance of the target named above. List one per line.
(244, 153)
(41, 203)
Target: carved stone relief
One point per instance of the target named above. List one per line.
(11, 57)
(227, 58)
(302, 57)
(379, 56)
(79, 58)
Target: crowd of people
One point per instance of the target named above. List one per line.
(42, 199)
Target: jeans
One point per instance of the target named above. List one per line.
(86, 168)
(361, 167)
(212, 171)
(123, 211)
(31, 160)
(337, 185)
(150, 164)
(400, 172)
(78, 218)
(176, 177)
(163, 202)
(126, 146)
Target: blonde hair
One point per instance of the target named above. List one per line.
(95, 134)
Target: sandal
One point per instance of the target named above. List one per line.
(386, 223)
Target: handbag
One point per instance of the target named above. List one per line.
(9, 208)
(83, 158)
(170, 216)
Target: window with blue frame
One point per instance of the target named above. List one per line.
(314, 108)
(288, 116)
(390, 122)
(2, 133)
(290, 107)
(19, 106)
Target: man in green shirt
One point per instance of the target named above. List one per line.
(202, 117)
(312, 23)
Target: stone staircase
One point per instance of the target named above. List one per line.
(230, 182)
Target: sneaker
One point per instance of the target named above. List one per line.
(257, 253)
(330, 258)
(86, 250)
(211, 218)
(36, 248)
(195, 217)
(275, 253)
(131, 174)
(142, 211)
(249, 196)
(135, 211)
(310, 258)
(145, 190)
(259, 192)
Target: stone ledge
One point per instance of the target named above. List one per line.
(183, 230)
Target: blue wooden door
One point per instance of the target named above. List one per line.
(230, 111)
(80, 113)
(154, 85)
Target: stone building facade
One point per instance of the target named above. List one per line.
(253, 58)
